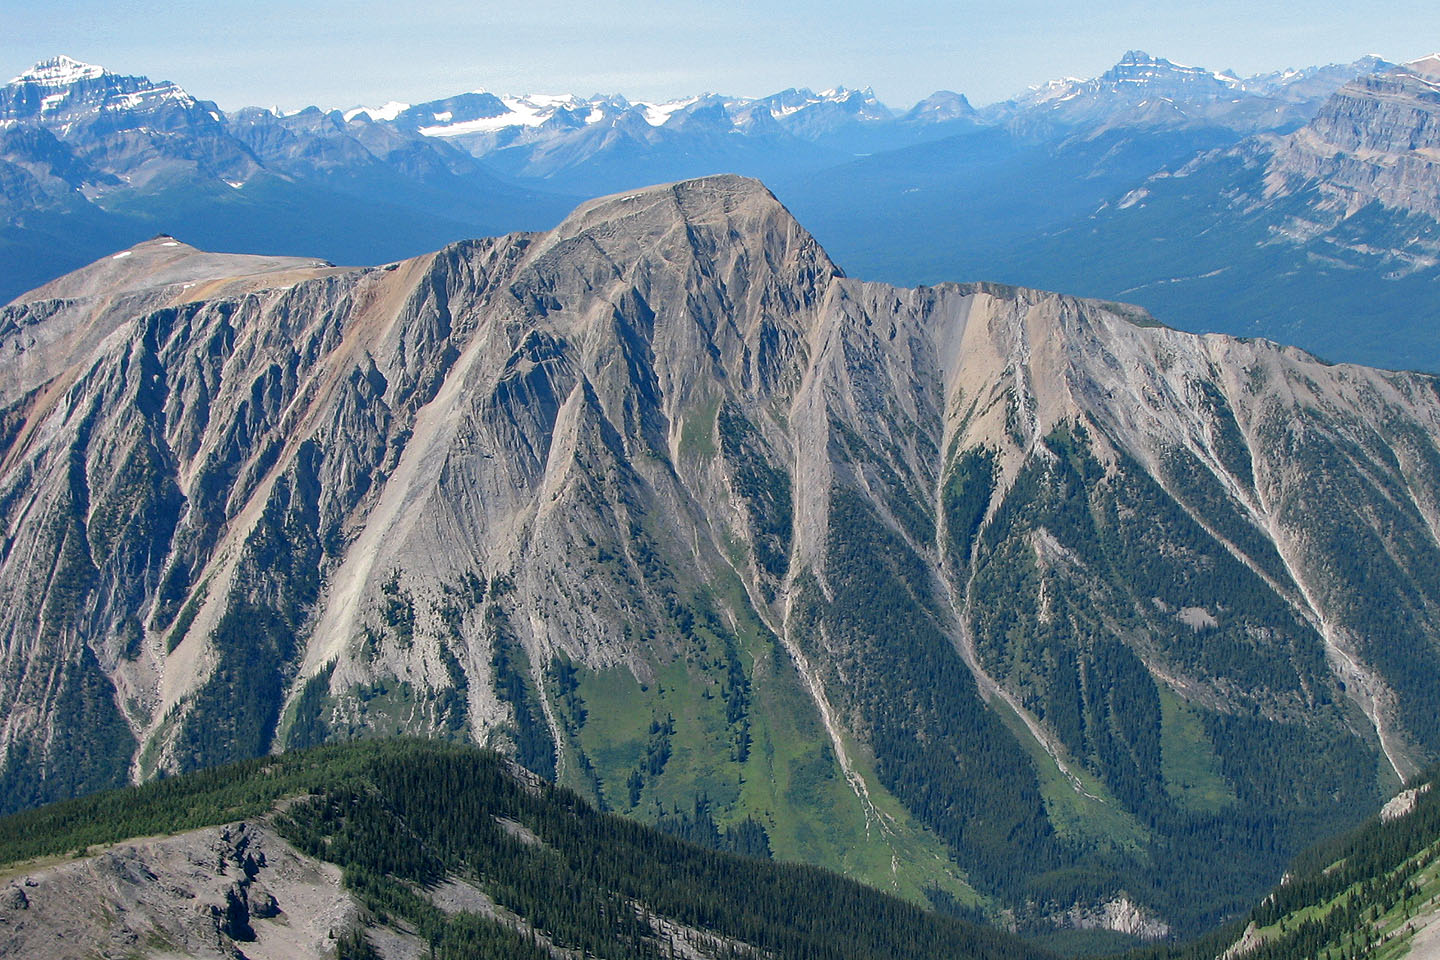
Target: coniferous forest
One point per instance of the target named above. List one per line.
(401, 817)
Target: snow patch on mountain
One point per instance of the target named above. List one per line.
(528, 111)
(658, 114)
(385, 114)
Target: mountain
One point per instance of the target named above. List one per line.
(1328, 237)
(967, 205)
(941, 106)
(406, 849)
(667, 507)
(602, 143)
(1314, 83)
(1375, 141)
(63, 91)
(1138, 81)
(801, 112)
(91, 160)
(1323, 236)
(607, 143)
(1152, 91)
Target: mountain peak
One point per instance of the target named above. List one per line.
(164, 261)
(386, 113)
(60, 71)
(717, 191)
(721, 210)
(940, 106)
(62, 90)
(1138, 69)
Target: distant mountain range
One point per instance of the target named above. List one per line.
(1091, 185)
(1151, 90)
(568, 140)
(91, 160)
(1327, 236)
(1306, 215)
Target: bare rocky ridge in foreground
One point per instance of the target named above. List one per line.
(667, 506)
(196, 894)
(236, 891)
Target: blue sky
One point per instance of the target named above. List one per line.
(348, 52)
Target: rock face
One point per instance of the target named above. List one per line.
(1360, 176)
(664, 504)
(1375, 141)
(1402, 804)
(1119, 915)
(221, 892)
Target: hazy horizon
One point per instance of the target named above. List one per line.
(290, 56)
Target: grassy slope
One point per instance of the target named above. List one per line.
(790, 781)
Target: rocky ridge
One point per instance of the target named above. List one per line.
(205, 893)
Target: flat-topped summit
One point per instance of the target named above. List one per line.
(716, 213)
(165, 261)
